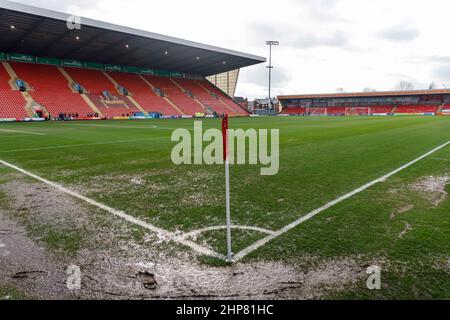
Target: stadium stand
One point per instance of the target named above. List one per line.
(207, 99)
(12, 103)
(357, 111)
(338, 111)
(68, 71)
(102, 92)
(382, 109)
(181, 99)
(316, 112)
(144, 95)
(415, 102)
(294, 111)
(222, 96)
(50, 89)
(416, 109)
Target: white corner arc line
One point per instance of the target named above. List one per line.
(161, 233)
(234, 227)
(24, 132)
(314, 213)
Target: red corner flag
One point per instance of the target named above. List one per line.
(225, 137)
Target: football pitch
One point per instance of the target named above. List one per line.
(372, 189)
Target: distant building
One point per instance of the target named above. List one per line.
(243, 102)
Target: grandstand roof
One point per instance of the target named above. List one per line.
(30, 30)
(366, 94)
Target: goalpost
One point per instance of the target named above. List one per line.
(316, 112)
(359, 111)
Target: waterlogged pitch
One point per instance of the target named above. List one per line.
(400, 224)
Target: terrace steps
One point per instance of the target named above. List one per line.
(153, 88)
(177, 96)
(210, 102)
(12, 75)
(68, 78)
(13, 103)
(91, 104)
(31, 105)
(133, 101)
(205, 109)
(174, 106)
(222, 96)
(86, 99)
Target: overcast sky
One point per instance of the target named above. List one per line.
(325, 44)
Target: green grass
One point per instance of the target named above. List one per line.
(11, 293)
(64, 241)
(320, 160)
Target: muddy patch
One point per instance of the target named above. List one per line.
(113, 184)
(118, 261)
(401, 210)
(433, 188)
(175, 279)
(25, 264)
(408, 227)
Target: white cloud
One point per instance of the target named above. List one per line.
(325, 44)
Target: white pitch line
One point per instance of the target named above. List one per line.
(23, 132)
(81, 145)
(161, 233)
(314, 213)
(216, 228)
(154, 127)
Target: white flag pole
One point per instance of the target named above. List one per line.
(227, 187)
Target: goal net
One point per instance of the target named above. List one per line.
(315, 112)
(363, 111)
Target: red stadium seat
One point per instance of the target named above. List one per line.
(226, 99)
(187, 104)
(416, 109)
(205, 97)
(12, 103)
(95, 82)
(51, 89)
(294, 111)
(144, 94)
(382, 109)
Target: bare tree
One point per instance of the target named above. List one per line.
(369, 90)
(340, 90)
(405, 85)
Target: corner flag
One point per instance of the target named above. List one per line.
(227, 185)
(225, 137)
